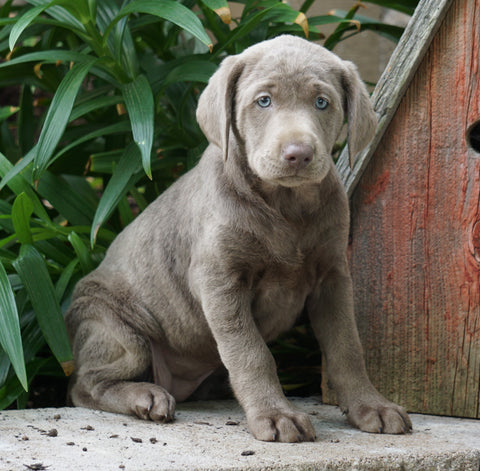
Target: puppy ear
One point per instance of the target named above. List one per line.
(216, 105)
(362, 121)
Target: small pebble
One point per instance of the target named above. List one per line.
(36, 466)
(248, 453)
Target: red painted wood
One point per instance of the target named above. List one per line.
(415, 252)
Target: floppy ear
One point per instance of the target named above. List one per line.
(216, 105)
(361, 119)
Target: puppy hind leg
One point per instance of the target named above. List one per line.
(109, 358)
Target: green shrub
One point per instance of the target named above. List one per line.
(97, 117)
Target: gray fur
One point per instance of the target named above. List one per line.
(231, 254)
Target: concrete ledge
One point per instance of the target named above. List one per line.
(214, 436)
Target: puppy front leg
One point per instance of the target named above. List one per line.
(252, 368)
(330, 309)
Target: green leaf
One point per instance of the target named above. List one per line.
(120, 42)
(360, 23)
(122, 126)
(336, 36)
(221, 8)
(26, 121)
(31, 268)
(65, 278)
(58, 116)
(215, 4)
(18, 184)
(21, 212)
(94, 104)
(8, 171)
(55, 249)
(61, 15)
(82, 253)
(5, 216)
(328, 19)
(67, 202)
(122, 179)
(170, 10)
(125, 211)
(405, 6)
(7, 111)
(49, 57)
(138, 98)
(5, 364)
(245, 28)
(282, 12)
(192, 71)
(105, 162)
(24, 21)
(10, 336)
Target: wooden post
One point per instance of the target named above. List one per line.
(415, 251)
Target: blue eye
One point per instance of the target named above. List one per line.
(321, 103)
(264, 101)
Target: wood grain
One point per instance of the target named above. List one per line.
(415, 251)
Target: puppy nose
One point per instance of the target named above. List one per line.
(297, 155)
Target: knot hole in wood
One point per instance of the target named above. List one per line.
(473, 136)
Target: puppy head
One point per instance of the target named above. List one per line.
(286, 100)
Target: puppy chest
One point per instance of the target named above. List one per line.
(278, 301)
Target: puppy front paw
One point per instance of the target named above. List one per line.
(380, 416)
(281, 425)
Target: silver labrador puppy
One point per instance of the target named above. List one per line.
(231, 254)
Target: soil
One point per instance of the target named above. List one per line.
(47, 391)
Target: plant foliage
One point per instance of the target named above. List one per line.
(97, 117)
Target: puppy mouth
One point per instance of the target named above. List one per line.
(282, 172)
(293, 180)
(313, 173)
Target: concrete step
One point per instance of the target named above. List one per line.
(214, 436)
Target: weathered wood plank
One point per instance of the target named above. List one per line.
(416, 211)
(395, 79)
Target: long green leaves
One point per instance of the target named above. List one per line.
(34, 274)
(170, 10)
(404, 6)
(58, 115)
(139, 102)
(25, 21)
(10, 338)
(19, 185)
(21, 211)
(117, 187)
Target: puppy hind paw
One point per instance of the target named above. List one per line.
(154, 403)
